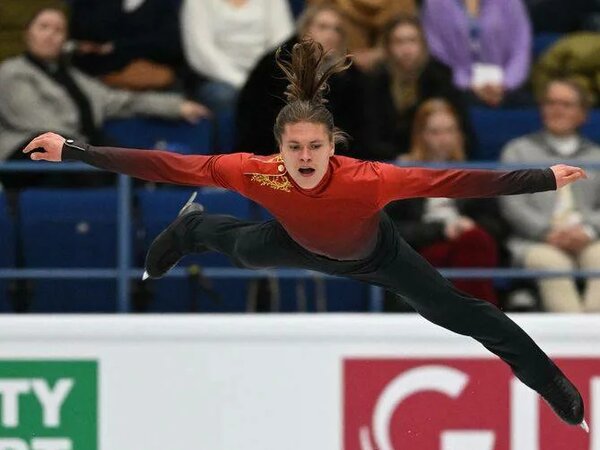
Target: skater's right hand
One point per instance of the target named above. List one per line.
(49, 145)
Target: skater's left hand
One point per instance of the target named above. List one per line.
(567, 174)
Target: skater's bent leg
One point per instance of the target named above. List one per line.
(248, 244)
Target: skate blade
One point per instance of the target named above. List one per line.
(145, 276)
(584, 425)
(190, 201)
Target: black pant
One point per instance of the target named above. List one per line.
(393, 265)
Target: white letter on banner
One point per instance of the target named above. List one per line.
(12, 444)
(447, 380)
(51, 444)
(524, 417)
(52, 400)
(10, 389)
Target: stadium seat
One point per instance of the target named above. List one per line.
(591, 129)
(542, 42)
(495, 127)
(69, 228)
(177, 136)
(318, 294)
(7, 251)
(297, 7)
(157, 209)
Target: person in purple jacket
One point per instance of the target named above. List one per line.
(487, 43)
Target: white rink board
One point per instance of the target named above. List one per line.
(246, 382)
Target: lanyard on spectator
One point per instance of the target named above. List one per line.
(474, 32)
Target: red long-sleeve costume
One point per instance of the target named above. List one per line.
(339, 217)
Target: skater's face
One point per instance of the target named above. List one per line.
(563, 111)
(306, 148)
(46, 35)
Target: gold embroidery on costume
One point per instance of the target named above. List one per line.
(278, 182)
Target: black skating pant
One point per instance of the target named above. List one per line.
(393, 265)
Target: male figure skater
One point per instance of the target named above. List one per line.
(329, 217)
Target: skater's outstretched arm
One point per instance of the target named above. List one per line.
(407, 182)
(151, 165)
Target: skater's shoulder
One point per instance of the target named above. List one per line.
(356, 169)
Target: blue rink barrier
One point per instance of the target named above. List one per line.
(124, 272)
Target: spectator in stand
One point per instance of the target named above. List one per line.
(130, 44)
(486, 43)
(576, 56)
(558, 230)
(448, 232)
(40, 91)
(224, 39)
(407, 77)
(345, 98)
(364, 21)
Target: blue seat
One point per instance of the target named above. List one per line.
(323, 295)
(173, 135)
(297, 7)
(68, 228)
(495, 127)
(591, 129)
(157, 209)
(7, 251)
(543, 41)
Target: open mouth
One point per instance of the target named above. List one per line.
(306, 171)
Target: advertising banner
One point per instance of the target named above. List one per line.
(282, 382)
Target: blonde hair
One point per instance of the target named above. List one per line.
(418, 150)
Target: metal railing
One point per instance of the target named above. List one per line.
(123, 272)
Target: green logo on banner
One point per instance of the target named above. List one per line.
(48, 405)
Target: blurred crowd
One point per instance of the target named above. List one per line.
(419, 67)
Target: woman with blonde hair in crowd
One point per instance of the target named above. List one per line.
(454, 233)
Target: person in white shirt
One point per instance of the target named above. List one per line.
(558, 230)
(224, 39)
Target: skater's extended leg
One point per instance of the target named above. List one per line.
(407, 274)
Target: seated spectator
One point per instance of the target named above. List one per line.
(558, 229)
(129, 44)
(223, 40)
(397, 87)
(345, 97)
(441, 229)
(40, 92)
(486, 43)
(14, 15)
(575, 56)
(364, 21)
